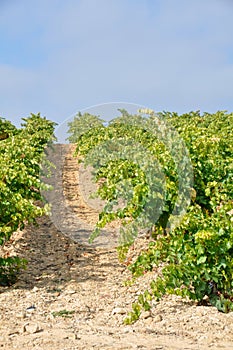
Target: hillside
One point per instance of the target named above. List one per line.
(73, 296)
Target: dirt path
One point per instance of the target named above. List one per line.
(73, 296)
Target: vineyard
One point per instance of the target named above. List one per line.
(164, 178)
(21, 156)
(197, 252)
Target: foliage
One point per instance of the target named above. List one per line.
(6, 129)
(130, 158)
(196, 253)
(63, 313)
(21, 154)
(81, 124)
(9, 268)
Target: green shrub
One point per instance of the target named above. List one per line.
(196, 253)
(21, 154)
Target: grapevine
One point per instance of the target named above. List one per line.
(21, 154)
(196, 253)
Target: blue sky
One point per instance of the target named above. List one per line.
(58, 57)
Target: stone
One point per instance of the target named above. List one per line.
(119, 311)
(158, 318)
(71, 336)
(21, 315)
(31, 328)
(30, 309)
(146, 314)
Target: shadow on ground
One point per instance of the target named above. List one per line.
(55, 259)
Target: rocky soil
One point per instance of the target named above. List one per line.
(73, 295)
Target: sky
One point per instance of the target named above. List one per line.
(59, 57)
